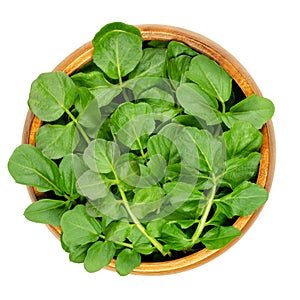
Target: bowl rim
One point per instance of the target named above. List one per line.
(233, 67)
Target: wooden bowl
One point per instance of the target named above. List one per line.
(203, 45)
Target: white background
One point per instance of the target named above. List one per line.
(264, 37)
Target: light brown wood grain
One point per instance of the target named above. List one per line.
(203, 45)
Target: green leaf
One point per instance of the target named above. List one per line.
(71, 167)
(117, 53)
(241, 169)
(174, 237)
(145, 248)
(117, 231)
(56, 141)
(159, 144)
(171, 131)
(90, 116)
(101, 155)
(185, 201)
(211, 77)
(161, 102)
(201, 150)
(154, 227)
(27, 165)
(219, 218)
(119, 26)
(83, 98)
(128, 170)
(131, 122)
(96, 83)
(184, 224)
(79, 228)
(133, 173)
(147, 200)
(107, 206)
(46, 211)
(142, 84)
(162, 110)
(254, 109)
(105, 130)
(78, 254)
(151, 63)
(157, 44)
(176, 49)
(126, 261)
(92, 185)
(177, 68)
(219, 237)
(136, 236)
(99, 256)
(197, 103)
(242, 139)
(51, 95)
(190, 121)
(156, 92)
(64, 246)
(141, 175)
(156, 165)
(245, 199)
(182, 173)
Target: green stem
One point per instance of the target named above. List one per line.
(118, 64)
(55, 187)
(141, 228)
(144, 156)
(204, 217)
(223, 107)
(69, 199)
(136, 221)
(84, 135)
(117, 242)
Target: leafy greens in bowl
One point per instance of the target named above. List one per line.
(148, 153)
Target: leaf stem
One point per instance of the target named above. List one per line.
(55, 187)
(223, 107)
(84, 135)
(118, 62)
(142, 150)
(69, 199)
(136, 221)
(141, 228)
(204, 217)
(117, 242)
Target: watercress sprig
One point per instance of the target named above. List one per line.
(149, 152)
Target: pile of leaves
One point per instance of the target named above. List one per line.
(148, 153)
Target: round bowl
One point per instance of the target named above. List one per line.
(239, 74)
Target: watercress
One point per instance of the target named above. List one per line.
(147, 153)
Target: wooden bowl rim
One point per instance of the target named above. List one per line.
(208, 47)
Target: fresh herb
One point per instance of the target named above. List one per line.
(147, 153)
